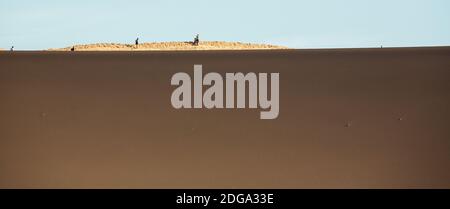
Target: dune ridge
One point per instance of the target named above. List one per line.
(156, 46)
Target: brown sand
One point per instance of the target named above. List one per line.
(170, 46)
(350, 118)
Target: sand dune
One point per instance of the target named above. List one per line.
(351, 118)
(156, 46)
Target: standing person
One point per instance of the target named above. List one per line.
(196, 40)
(136, 42)
(12, 48)
(73, 48)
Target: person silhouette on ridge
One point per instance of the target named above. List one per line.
(196, 40)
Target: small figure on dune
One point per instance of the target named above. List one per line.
(12, 48)
(196, 40)
(136, 42)
(73, 48)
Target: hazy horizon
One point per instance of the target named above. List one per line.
(30, 25)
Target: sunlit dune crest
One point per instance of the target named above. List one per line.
(155, 46)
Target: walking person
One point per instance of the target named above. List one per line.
(196, 40)
(12, 48)
(136, 42)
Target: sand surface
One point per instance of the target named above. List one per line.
(170, 46)
(350, 118)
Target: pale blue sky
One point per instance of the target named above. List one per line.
(32, 24)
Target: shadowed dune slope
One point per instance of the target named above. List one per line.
(349, 118)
